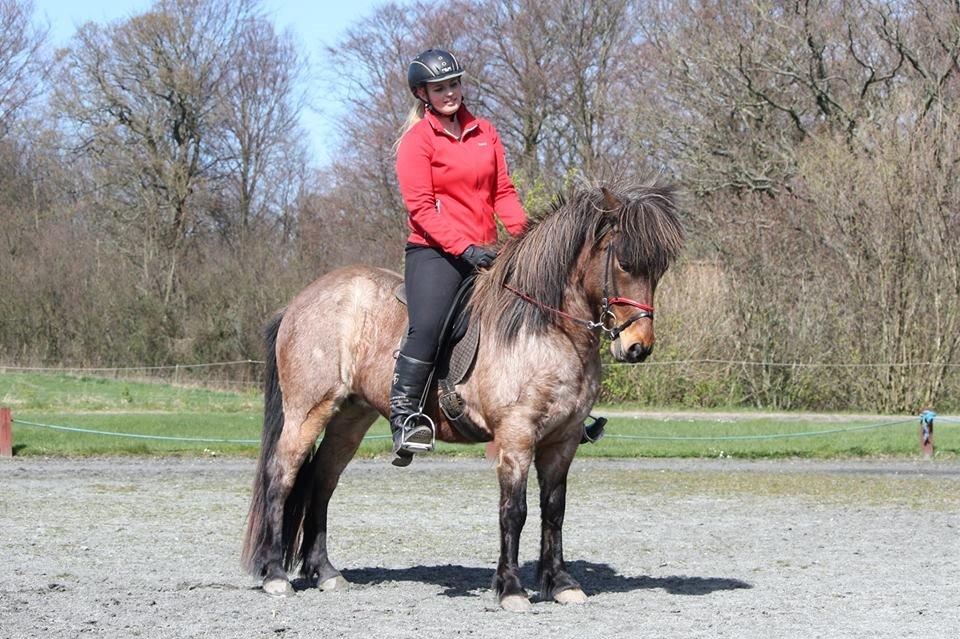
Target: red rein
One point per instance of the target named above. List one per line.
(612, 332)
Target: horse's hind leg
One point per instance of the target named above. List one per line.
(299, 434)
(553, 462)
(341, 439)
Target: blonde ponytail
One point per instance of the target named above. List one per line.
(416, 114)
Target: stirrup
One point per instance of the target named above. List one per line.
(416, 437)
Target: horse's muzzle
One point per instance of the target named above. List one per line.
(636, 353)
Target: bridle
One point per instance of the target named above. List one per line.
(607, 322)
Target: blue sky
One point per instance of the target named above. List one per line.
(315, 24)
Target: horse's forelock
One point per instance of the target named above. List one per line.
(651, 235)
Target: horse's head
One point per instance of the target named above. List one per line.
(642, 239)
(592, 262)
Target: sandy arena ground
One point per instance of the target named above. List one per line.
(664, 548)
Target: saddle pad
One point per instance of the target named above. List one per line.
(463, 354)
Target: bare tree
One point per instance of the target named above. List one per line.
(805, 129)
(886, 215)
(926, 36)
(740, 85)
(554, 75)
(259, 137)
(142, 98)
(516, 59)
(22, 62)
(26, 198)
(600, 53)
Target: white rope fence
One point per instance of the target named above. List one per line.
(654, 362)
(739, 362)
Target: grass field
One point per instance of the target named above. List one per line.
(161, 410)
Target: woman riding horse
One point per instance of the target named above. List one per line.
(453, 178)
(586, 271)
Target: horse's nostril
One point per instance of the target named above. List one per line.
(638, 352)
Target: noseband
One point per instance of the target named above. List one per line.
(608, 302)
(607, 324)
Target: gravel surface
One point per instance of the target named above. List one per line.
(664, 548)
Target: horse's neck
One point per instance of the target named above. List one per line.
(577, 303)
(579, 300)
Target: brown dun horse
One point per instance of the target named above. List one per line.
(543, 308)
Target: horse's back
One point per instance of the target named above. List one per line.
(338, 285)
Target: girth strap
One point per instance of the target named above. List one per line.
(454, 408)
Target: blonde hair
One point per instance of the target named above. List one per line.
(415, 115)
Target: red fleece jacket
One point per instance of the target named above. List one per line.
(453, 188)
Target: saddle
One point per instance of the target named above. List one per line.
(456, 354)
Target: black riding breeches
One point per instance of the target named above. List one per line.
(431, 279)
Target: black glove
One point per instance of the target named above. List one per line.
(478, 256)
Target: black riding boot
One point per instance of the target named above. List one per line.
(411, 433)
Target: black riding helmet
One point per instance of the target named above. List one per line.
(433, 65)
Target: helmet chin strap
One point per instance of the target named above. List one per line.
(426, 103)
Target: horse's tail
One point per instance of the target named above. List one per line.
(256, 541)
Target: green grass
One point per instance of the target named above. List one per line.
(158, 409)
(71, 393)
(895, 440)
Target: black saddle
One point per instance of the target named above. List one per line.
(455, 357)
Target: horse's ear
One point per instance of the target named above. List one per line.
(611, 200)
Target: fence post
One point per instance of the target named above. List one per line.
(6, 433)
(926, 433)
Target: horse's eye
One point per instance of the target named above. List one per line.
(624, 266)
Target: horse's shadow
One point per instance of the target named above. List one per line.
(470, 581)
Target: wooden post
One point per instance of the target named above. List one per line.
(926, 433)
(6, 433)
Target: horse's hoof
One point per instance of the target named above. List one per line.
(334, 584)
(571, 596)
(278, 588)
(515, 603)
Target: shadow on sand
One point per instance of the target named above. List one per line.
(470, 581)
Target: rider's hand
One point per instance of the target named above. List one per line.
(478, 256)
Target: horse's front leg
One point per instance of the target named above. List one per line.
(512, 468)
(553, 462)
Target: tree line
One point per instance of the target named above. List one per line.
(159, 202)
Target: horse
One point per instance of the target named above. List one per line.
(586, 269)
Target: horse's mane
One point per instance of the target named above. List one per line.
(540, 261)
